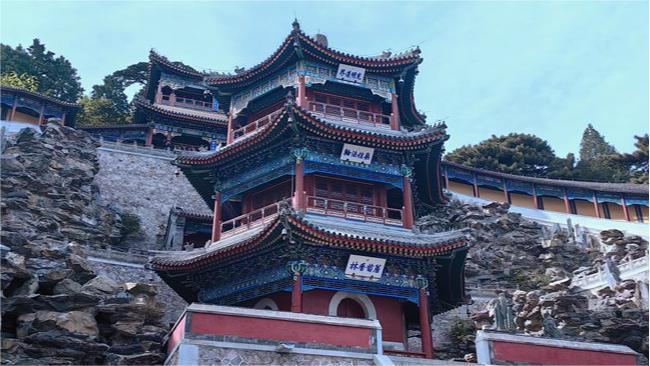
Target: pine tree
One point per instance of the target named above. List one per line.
(638, 160)
(593, 144)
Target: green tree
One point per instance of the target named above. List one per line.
(22, 81)
(562, 168)
(638, 160)
(593, 144)
(521, 154)
(115, 84)
(100, 111)
(55, 75)
(599, 160)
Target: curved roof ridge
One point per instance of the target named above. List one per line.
(155, 57)
(216, 120)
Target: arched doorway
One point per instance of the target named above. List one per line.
(367, 310)
(349, 308)
(266, 304)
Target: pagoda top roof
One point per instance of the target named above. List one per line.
(186, 114)
(318, 230)
(296, 43)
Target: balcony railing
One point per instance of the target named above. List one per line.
(187, 103)
(354, 210)
(336, 112)
(251, 219)
(254, 126)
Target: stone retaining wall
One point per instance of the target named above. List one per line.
(144, 182)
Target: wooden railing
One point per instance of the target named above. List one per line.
(354, 210)
(251, 219)
(254, 126)
(187, 103)
(349, 115)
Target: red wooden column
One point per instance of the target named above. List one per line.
(475, 186)
(172, 99)
(447, 180)
(301, 97)
(296, 269)
(567, 208)
(158, 98)
(505, 191)
(626, 212)
(40, 114)
(216, 219)
(299, 199)
(596, 205)
(229, 136)
(394, 112)
(149, 139)
(13, 108)
(535, 201)
(425, 323)
(407, 197)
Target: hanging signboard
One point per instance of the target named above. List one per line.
(357, 154)
(350, 73)
(365, 268)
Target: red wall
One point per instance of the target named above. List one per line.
(545, 355)
(177, 335)
(281, 330)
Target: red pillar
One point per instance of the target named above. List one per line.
(596, 205)
(425, 324)
(394, 112)
(299, 193)
(407, 198)
(535, 202)
(229, 136)
(505, 191)
(626, 212)
(40, 115)
(216, 219)
(296, 293)
(475, 187)
(447, 180)
(149, 140)
(158, 99)
(172, 99)
(301, 97)
(567, 208)
(13, 108)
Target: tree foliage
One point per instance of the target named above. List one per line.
(22, 81)
(55, 75)
(520, 154)
(99, 112)
(531, 156)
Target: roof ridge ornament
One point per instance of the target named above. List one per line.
(295, 25)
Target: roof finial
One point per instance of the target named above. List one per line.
(296, 25)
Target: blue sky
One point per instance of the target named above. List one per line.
(546, 68)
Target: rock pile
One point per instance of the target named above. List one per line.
(55, 310)
(507, 250)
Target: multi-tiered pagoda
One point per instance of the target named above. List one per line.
(325, 166)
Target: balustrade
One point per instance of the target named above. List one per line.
(254, 126)
(251, 219)
(354, 210)
(186, 103)
(349, 115)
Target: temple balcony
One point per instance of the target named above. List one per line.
(350, 115)
(317, 205)
(173, 101)
(255, 126)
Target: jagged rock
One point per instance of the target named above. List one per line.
(76, 322)
(101, 286)
(54, 309)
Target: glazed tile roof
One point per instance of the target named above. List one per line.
(322, 230)
(190, 115)
(631, 188)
